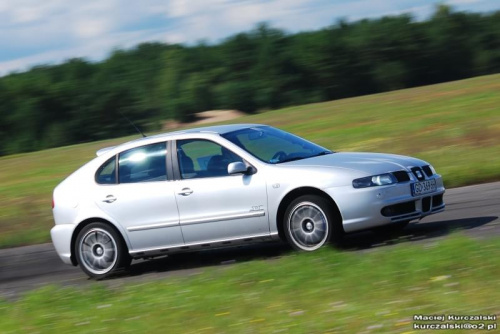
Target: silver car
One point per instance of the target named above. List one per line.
(226, 185)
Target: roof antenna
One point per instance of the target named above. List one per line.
(138, 130)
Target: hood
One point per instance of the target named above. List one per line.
(369, 163)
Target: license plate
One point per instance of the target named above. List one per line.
(424, 187)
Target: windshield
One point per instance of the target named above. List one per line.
(274, 146)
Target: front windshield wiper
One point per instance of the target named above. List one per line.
(321, 153)
(306, 157)
(291, 159)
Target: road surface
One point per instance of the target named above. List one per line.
(474, 209)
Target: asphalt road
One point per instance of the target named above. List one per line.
(474, 209)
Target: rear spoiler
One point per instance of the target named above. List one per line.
(104, 150)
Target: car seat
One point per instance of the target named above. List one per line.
(185, 164)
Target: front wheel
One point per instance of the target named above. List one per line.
(308, 222)
(100, 250)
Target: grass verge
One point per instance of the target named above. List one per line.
(455, 126)
(323, 292)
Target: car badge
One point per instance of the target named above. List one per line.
(419, 174)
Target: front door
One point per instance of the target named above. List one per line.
(213, 205)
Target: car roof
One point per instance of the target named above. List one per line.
(216, 129)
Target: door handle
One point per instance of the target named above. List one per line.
(185, 192)
(109, 199)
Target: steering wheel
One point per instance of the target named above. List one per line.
(280, 155)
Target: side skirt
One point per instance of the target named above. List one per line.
(192, 247)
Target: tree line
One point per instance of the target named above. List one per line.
(265, 68)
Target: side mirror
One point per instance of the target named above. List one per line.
(237, 167)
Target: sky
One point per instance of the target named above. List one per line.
(34, 32)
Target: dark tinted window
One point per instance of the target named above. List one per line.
(203, 158)
(106, 174)
(143, 164)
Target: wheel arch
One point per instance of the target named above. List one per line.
(297, 192)
(86, 222)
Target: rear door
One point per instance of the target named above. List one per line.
(136, 190)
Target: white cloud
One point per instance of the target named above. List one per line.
(461, 2)
(91, 27)
(50, 31)
(23, 15)
(94, 49)
(178, 8)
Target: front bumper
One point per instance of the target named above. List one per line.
(376, 206)
(61, 238)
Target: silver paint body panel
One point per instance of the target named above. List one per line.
(228, 197)
(154, 218)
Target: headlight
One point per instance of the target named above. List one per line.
(376, 180)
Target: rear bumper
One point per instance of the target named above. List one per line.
(61, 238)
(376, 206)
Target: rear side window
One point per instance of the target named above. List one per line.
(143, 164)
(106, 174)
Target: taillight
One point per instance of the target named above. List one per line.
(53, 203)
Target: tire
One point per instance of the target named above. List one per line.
(100, 250)
(309, 221)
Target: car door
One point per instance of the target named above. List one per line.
(213, 205)
(136, 192)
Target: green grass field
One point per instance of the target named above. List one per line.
(322, 292)
(455, 126)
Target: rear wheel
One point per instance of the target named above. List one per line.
(308, 222)
(100, 250)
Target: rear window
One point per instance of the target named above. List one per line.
(106, 174)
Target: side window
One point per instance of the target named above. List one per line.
(106, 174)
(143, 164)
(203, 158)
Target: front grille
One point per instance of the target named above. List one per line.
(398, 209)
(401, 176)
(437, 200)
(426, 204)
(427, 170)
(419, 174)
